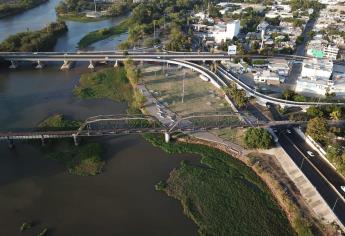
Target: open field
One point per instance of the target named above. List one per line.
(167, 87)
(234, 135)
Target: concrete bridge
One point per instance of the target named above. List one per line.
(110, 56)
(222, 78)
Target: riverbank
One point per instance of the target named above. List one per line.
(12, 7)
(221, 195)
(81, 18)
(41, 40)
(102, 34)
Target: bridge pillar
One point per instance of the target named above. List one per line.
(10, 143)
(66, 65)
(167, 137)
(39, 65)
(91, 66)
(13, 65)
(75, 139)
(116, 64)
(42, 140)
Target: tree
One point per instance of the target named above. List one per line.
(314, 111)
(258, 138)
(336, 114)
(317, 128)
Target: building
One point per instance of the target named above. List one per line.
(223, 32)
(267, 77)
(322, 49)
(315, 69)
(279, 66)
(316, 79)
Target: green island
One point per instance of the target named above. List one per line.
(33, 41)
(107, 83)
(84, 160)
(222, 196)
(101, 34)
(76, 10)
(12, 7)
(58, 122)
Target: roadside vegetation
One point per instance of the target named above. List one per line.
(101, 34)
(217, 207)
(33, 41)
(331, 138)
(12, 7)
(258, 138)
(237, 95)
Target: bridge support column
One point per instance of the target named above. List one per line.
(167, 137)
(75, 139)
(13, 65)
(141, 63)
(43, 141)
(39, 65)
(116, 64)
(10, 143)
(66, 65)
(91, 66)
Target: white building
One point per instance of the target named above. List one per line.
(279, 66)
(321, 49)
(315, 69)
(223, 32)
(316, 78)
(267, 77)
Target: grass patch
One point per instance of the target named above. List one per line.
(85, 160)
(81, 18)
(101, 34)
(222, 196)
(108, 83)
(58, 122)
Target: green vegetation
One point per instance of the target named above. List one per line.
(238, 95)
(41, 40)
(11, 7)
(336, 155)
(84, 160)
(43, 232)
(58, 122)
(76, 9)
(169, 18)
(101, 34)
(317, 128)
(107, 83)
(222, 196)
(25, 226)
(257, 138)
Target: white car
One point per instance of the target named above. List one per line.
(342, 188)
(288, 131)
(310, 153)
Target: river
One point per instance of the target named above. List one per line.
(121, 200)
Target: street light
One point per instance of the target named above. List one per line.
(302, 163)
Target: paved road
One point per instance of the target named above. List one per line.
(297, 149)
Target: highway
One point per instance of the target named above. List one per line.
(297, 149)
(142, 55)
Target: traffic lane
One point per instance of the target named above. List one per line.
(330, 174)
(314, 177)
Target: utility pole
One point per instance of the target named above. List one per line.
(154, 29)
(95, 6)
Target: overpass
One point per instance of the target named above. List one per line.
(111, 56)
(222, 78)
